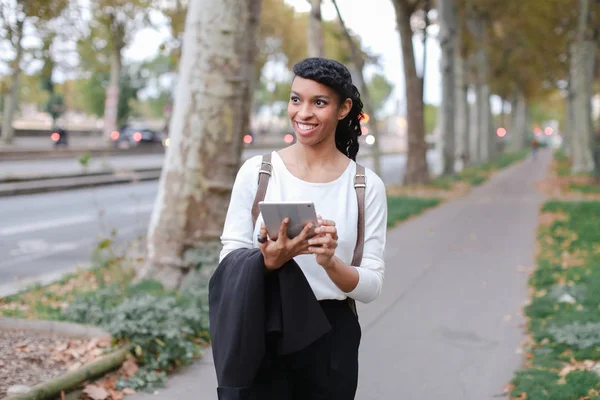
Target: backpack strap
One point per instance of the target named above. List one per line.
(360, 186)
(264, 174)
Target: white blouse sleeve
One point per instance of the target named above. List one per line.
(238, 231)
(371, 270)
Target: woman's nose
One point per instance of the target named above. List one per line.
(305, 111)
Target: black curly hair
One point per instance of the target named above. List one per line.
(336, 76)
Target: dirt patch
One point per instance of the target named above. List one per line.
(457, 190)
(27, 359)
(559, 187)
(548, 218)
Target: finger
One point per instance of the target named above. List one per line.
(332, 230)
(321, 240)
(304, 233)
(263, 232)
(283, 228)
(320, 250)
(328, 222)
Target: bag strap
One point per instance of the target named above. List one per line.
(360, 185)
(264, 174)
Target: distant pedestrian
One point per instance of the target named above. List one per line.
(534, 148)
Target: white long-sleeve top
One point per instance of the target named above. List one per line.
(335, 201)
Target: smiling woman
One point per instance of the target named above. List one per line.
(325, 111)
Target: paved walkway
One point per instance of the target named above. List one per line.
(447, 325)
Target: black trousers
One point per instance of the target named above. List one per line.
(326, 370)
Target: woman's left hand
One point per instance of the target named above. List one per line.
(323, 245)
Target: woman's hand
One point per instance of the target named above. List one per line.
(324, 244)
(277, 253)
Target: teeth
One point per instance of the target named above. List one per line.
(306, 127)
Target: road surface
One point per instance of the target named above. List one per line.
(51, 233)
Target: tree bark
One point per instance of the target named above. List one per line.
(447, 11)
(518, 131)
(359, 62)
(461, 118)
(316, 45)
(111, 103)
(483, 94)
(10, 101)
(569, 132)
(417, 171)
(582, 65)
(211, 114)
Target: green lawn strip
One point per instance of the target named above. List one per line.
(563, 169)
(564, 313)
(166, 329)
(404, 207)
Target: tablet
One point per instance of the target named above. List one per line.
(299, 213)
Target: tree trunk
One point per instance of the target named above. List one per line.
(447, 11)
(316, 46)
(474, 118)
(483, 94)
(518, 131)
(582, 64)
(359, 62)
(10, 101)
(211, 114)
(461, 117)
(417, 171)
(111, 104)
(569, 131)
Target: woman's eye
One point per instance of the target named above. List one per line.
(294, 99)
(320, 103)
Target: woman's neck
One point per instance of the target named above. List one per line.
(318, 156)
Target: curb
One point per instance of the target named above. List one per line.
(16, 178)
(61, 184)
(24, 155)
(44, 327)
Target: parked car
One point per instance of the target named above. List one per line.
(135, 136)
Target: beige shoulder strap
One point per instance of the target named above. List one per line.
(360, 185)
(264, 174)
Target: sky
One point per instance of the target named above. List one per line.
(375, 24)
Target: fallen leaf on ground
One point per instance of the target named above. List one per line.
(96, 392)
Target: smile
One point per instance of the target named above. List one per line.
(305, 128)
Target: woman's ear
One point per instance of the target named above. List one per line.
(345, 109)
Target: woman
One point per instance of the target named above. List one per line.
(325, 111)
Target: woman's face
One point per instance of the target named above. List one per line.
(314, 110)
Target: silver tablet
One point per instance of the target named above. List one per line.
(299, 213)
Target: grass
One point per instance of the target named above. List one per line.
(564, 313)
(476, 175)
(401, 208)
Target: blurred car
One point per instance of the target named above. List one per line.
(128, 137)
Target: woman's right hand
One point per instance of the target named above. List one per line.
(277, 253)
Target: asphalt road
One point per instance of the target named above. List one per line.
(46, 234)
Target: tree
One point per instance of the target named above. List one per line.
(380, 89)
(461, 89)
(417, 170)
(15, 17)
(447, 11)
(113, 24)
(315, 30)
(358, 59)
(211, 113)
(583, 58)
